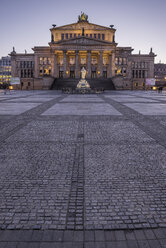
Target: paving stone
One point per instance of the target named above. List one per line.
(78, 236)
(90, 245)
(154, 244)
(130, 235)
(89, 236)
(143, 244)
(34, 245)
(132, 244)
(120, 235)
(99, 236)
(119, 244)
(160, 233)
(149, 234)
(139, 234)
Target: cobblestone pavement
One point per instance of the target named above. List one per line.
(83, 170)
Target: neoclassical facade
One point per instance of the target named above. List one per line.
(82, 44)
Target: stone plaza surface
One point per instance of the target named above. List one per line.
(83, 170)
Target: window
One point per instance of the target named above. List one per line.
(62, 36)
(99, 36)
(86, 35)
(143, 74)
(79, 35)
(41, 60)
(103, 37)
(29, 73)
(83, 60)
(95, 36)
(124, 61)
(49, 61)
(94, 60)
(75, 35)
(52, 38)
(120, 61)
(139, 73)
(90, 35)
(133, 74)
(66, 36)
(45, 60)
(25, 73)
(72, 60)
(29, 84)
(136, 73)
(105, 60)
(71, 35)
(22, 73)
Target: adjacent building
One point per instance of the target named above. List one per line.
(5, 71)
(160, 74)
(82, 44)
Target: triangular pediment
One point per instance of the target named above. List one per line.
(83, 41)
(85, 25)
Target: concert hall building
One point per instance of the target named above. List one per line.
(77, 45)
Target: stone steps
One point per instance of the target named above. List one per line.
(59, 84)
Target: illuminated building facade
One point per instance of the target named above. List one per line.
(160, 74)
(5, 70)
(83, 44)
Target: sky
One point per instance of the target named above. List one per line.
(140, 24)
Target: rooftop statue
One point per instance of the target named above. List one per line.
(83, 17)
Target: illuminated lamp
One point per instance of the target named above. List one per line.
(10, 87)
(154, 88)
(98, 72)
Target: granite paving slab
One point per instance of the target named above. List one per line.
(81, 109)
(148, 109)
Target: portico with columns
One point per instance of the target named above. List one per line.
(99, 62)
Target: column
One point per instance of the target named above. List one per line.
(64, 64)
(113, 64)
(89, 64)
(77, 64)
(109, 68)
(101, 64)
(55, 67)
(36, 67)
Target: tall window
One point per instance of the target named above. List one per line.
(90, 35)
(103, 36)
(95, 36)
(70, 36)
(62, 36)
(99, 36)
(75, 35)
(66, 36)
(41, 60)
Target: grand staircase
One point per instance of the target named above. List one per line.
(62, 83)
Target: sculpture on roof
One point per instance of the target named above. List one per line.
(83, 17)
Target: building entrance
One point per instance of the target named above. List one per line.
(93, 74)
(104, 74)
(60, 74)
(72, 74)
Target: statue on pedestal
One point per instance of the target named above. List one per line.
(83, 83)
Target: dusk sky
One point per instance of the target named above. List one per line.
(140, 24)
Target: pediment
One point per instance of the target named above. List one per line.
(80, 25)
(83, 41)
